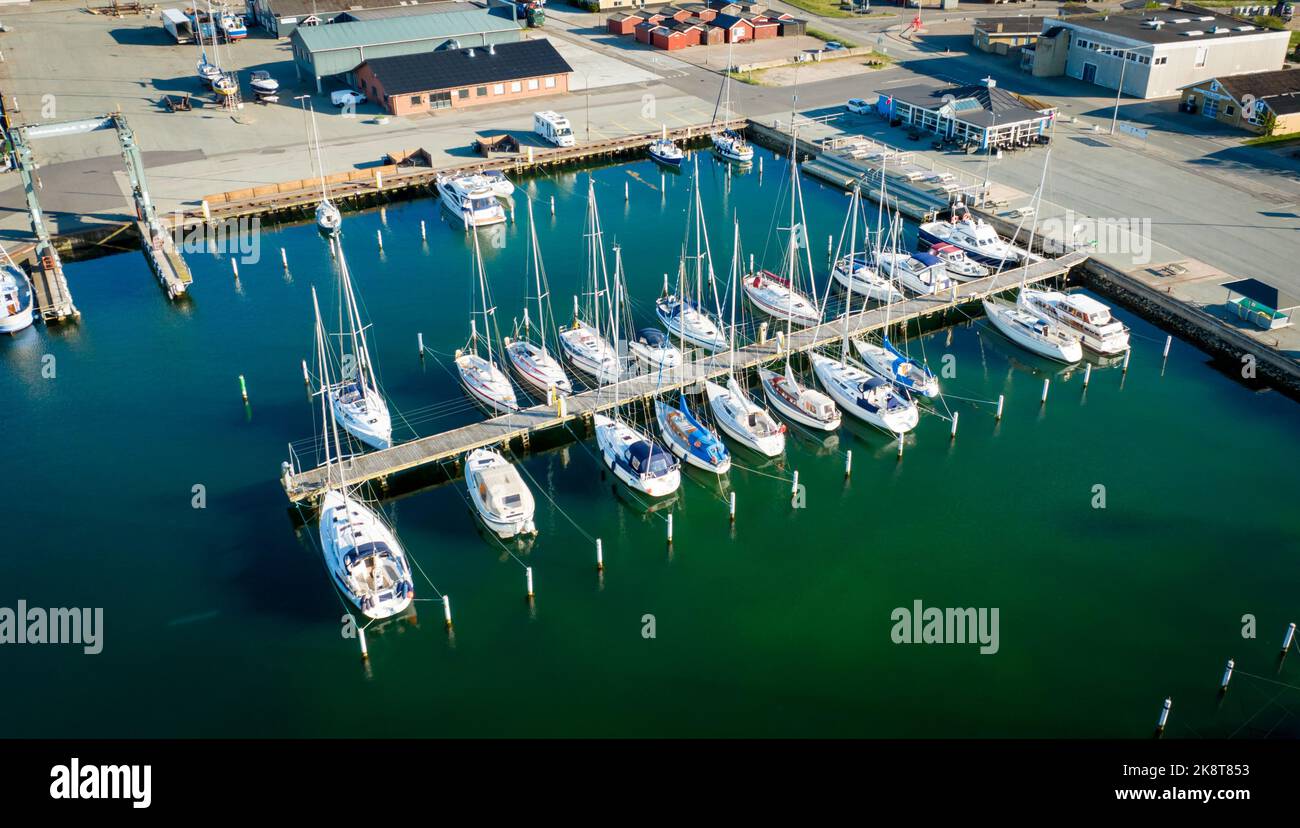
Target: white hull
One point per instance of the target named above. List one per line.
(880, 361)
(486, 383)
(664, 413)
(779, 301)
(846, 385)
(744, 421)
(733, 149)
(328, 218)
(503, 501)
(656, 359)
(590, 353)
(862, 280)
(17, 302)
(350, 529)
(923, 281)
(779, 390)
(696, 328)
(365, 416)
(1108, 339)
(1044, 339)
(614, 437)
(537, 368)
(472, 199)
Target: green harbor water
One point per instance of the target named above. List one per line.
(221, 621)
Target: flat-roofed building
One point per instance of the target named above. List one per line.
(981, 113)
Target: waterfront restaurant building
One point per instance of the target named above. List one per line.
(1156, 52)
(458, 78)
(984, 114)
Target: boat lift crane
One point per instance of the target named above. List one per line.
(159, 248)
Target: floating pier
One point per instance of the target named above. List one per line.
(307, 484)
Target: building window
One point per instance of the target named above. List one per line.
(1161, 61)
(499, 89)
(440, 100)
(1229, 109)
(532, 84)
(416, 100)
(550, 82)
(480, 92)
(462, 93)
(516, 86)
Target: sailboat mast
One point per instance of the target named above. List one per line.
(731, 343)
(360, 348)
(330, 424)
(1033, 224)
(482, 288)
(537, 277)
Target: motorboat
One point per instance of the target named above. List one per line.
(920, 273)
(589, 352)
(731, 146)
(884, 360)
(744, 420)
(957, 263)
(499, 494)
(797, 402)
(855, 274)
(775, 297)
(364, 557)
(1040, 336)
(1086, 317)
(635, 458)
(16, 300)
(690, 439)
(500, 185)
(486, 383)
(471, 198)
(262, 83)
(665, 151)
(870, 399)
(328, 218)
(655, 351)
(972, 235)
(233, 27)
(686, 320)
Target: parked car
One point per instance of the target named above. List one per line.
(833, 45)
(343, 97)
(859, 106)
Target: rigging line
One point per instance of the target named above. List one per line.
(493, 535)
(519, 462)
(628, 489)
(1270, 703)
(1266, 679)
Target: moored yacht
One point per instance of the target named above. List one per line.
(536, 367)
(920, 273)
(499, 494)
(636, 459)
(686, 320)
(589, 352)
(1040, 336)
(975, 236)
(884, 360)
(16, 300)
(654, 350)
(775, 297)
(486, 383)
(797, 402)
(364, 557)
(868, 398)
(664, 150)
(690, 439)
(855, 274)
(1089, 319)
(470, 198)
(957, 263)
(744, 420)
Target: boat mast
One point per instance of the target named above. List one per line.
(731, 339)
(329, 424)
(1033, 224)
(482, 287)
(542, 295)
(360, 349)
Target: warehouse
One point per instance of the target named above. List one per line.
(457, 78)
(339, 48)
(282, 17)
(1155, 53)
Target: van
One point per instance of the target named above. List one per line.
(554, 128)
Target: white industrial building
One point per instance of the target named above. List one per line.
(1155, 53)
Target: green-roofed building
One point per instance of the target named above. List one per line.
(337, 49)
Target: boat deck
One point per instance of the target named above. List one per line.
(307, 484)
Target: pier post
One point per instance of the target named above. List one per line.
(1290, 635)
(550, 395)
(379, 180)
(361, 634)
(780, 341)
(1001, 399)
(670, 528)
(955, 415)
(446, 610)
(1227, 676)
(552, 205)
(1169, 340)
(1164, 715)
(626, 194)
(1087, 374)
(207, 212)
(848, 464)
(600, 556)
(423, 235)
(528, 575)
(306, 378)
(751, 263)
(234, 267)
(562, 407)
(1047, 383)
(243, 392)
(762, 333)
(900, 445)
(1127, 354)
(379, 237)
(731, 507)
(419, 341)
(284, 258)
(794, 487)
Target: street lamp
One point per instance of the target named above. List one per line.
(1123, 64)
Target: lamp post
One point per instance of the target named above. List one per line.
(1123, 64)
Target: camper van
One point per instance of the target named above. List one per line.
(554, 128)
(177, 25)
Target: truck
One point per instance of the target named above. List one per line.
(177, 25)
(553, 127)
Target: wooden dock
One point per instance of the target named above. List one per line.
(165, 260)
(307, 484)
(50, 288)
(365, 186)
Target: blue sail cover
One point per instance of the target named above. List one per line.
(901, 359)
(927, 259)
(649, 458)
(652, 337)
(704, 443)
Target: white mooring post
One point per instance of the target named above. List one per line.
(552, 205)
(955, 415)
(600, 556)
(361, 634)
(762, 333)
(562, 406)
(284, 258)
(528, 575)
(900, 445)
(1169, 340)
(419, 341)
(1127, 354)
(731, 507)
(1286, 640)
(626, 195)
(794, 485)
(379, 237)
(423, 235)
(1047, 383)
(306, 378)
(234, 266)
(1227, 676)
(1001, 399)
(446, 610)
(848, 463)
(1164, 715)
(1087, 374)
(670, 528)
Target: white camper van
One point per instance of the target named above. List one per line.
(554, 128)
(177, 25)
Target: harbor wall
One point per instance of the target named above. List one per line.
(1195, 325)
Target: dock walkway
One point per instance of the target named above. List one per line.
(307, 484)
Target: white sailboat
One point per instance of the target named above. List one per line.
(483, 380)
(532, 361)
(655, 352)
(499, 494)
(356, 400)
(581, 341)
(16, 298)
(682, 312)
(854, 271)
(736, 414)
(362, 553)
(779, 296)
(328, 218)
(1040, 336)
(664, 150)
(726, 142)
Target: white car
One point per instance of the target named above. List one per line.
(859, 106)
(343, 97)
